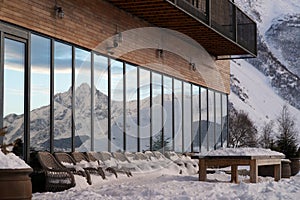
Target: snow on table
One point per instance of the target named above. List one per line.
(11, 161)
(242, 152)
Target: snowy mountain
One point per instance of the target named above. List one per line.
(40, 120)
(261, 86)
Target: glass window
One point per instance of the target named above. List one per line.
(40, 94)
(156, 109)
(131, 108)
(168, 113)
(62, 97)
(117, 107)
(82, 100)
(196, 119)
(224, 120)
(100, 103)
(211, 119)
(187, 116)
(144, 109)
(218, 112)
(204, 120)
(178, 115)
(13, 97)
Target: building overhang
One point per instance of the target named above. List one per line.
(218, 25)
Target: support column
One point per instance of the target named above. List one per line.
(202, 170)
(253, 171)
(234, 173)
(277, 172)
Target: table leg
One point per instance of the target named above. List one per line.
(277, 172)
(202, 170)
(234, 173)
(253, 171)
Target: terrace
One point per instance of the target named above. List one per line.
(218, 25)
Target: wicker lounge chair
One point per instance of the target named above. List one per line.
(57, 177)
(67, 161)
(109, 161)
(125, 162)
(175, 158)
(92, 158)
(142, 161)
(91, 167)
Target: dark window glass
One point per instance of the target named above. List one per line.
(218, 120)
(82, 100)
(40, 94)
(211, 119)
(167, 113)
(131, 108)
(117, 107)
(187, 116)
(196, 119)
(13, 94)
(100, 103)
(156, 109)
(144, 109)
(178, 115)
(62, 97)
(224, 120)
(204, 127)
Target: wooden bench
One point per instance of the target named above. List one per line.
(235, 161)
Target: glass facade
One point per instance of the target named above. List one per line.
(82, 101)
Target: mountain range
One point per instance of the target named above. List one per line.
(262, 85)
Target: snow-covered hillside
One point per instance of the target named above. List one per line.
(262, 85)
(252, 93)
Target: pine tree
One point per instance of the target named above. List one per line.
(287, 139)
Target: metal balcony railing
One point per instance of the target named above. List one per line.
(224, 17)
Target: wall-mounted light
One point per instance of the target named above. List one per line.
(117, 39)
(59, 12)
(193, 66)
(160, 53)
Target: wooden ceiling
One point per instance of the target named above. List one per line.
(162, 13)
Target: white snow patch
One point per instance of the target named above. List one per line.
(243, 152)
(11, 161)
(263, 103)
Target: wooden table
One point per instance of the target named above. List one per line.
(235, 161)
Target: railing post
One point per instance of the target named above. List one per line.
(208, 12)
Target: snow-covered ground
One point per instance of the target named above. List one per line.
(167, 183)
(160, 185)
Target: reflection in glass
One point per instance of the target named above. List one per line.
(196, 119)
(131, 108)
(168, 118)
(62, 97)
(117, 109)
(204, 120)
(144, 109)
(156, 110)
(224, 120)
(40, 94)
(82, 100)
(187, 117)
(178, 115)
(100, 103)
(13, 97)
(218, 120)
(211, 120)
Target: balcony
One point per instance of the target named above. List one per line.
(218, 25)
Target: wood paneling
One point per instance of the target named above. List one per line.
(91, 23)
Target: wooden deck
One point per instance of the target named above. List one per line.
(235, 161)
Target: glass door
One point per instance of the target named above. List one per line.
(14, 65)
